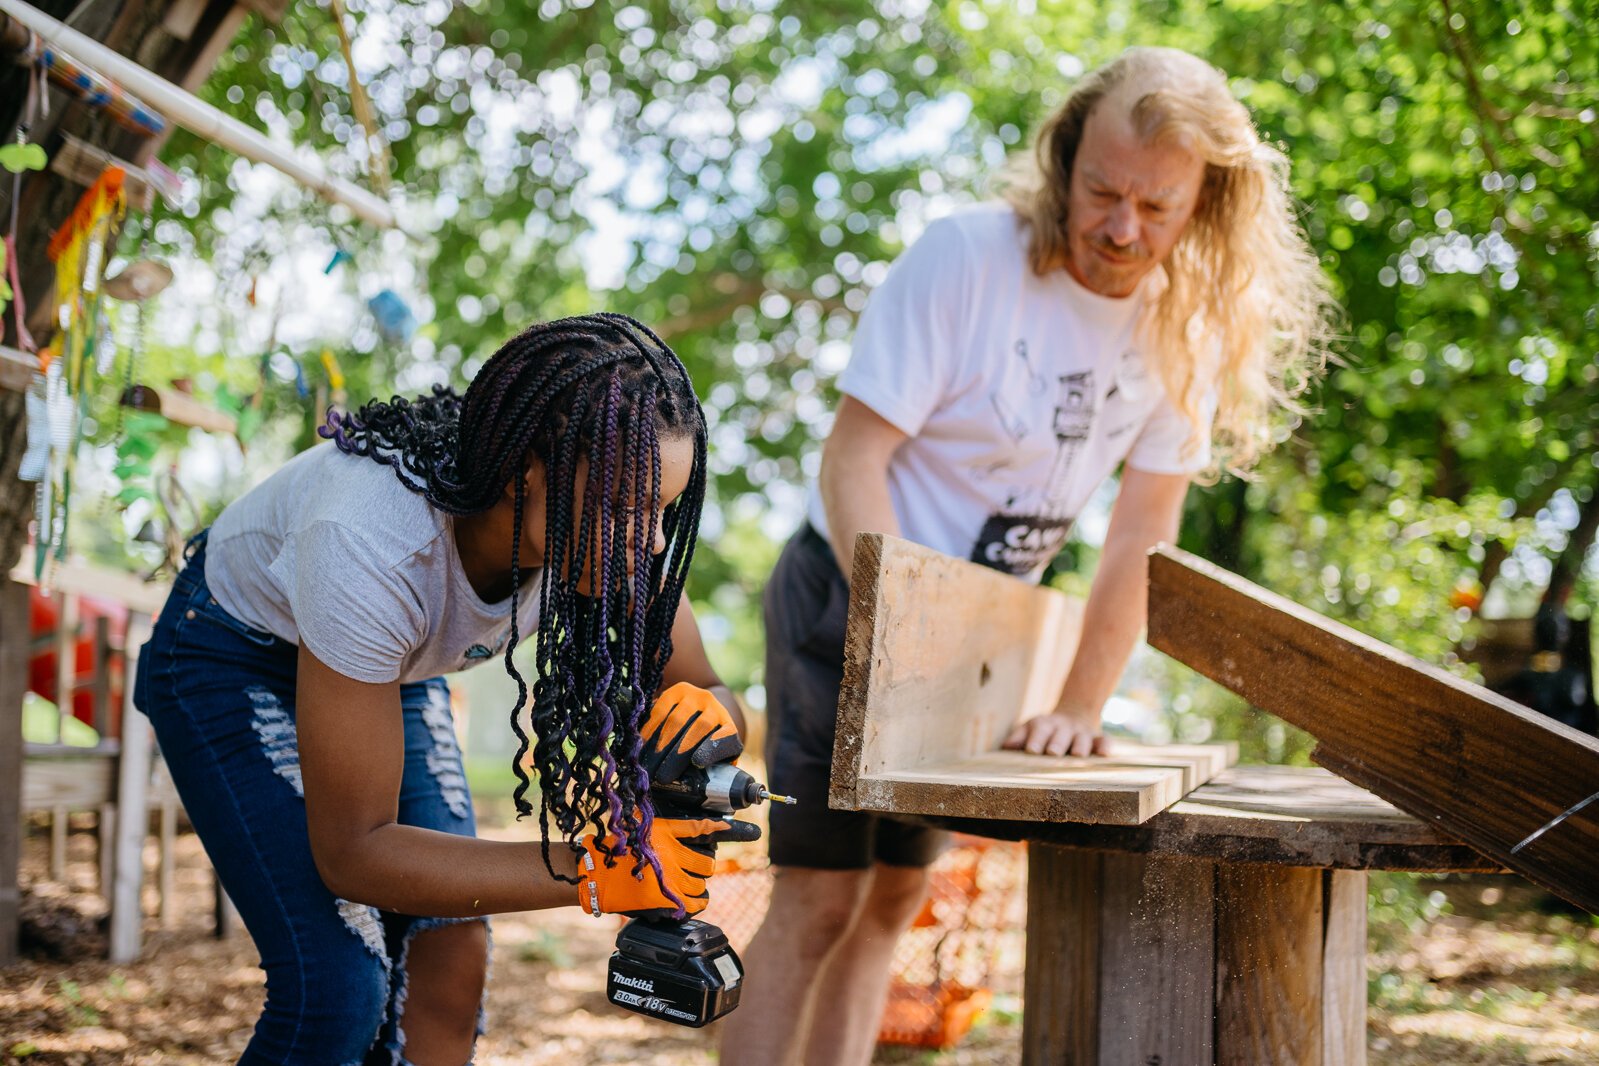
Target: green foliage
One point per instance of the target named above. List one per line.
(741, 175)
(546, 945)
(80, 1012)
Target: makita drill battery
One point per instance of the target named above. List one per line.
(681, 972)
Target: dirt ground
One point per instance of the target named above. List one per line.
(1496, 982)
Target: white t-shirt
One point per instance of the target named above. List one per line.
(1020, 394)
(333, 551)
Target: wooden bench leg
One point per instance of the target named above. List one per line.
(169, 841)
(1136, 960)
(227, 915)
(60, 826)
(106, 845)
(133, 802)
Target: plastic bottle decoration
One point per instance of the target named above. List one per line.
(395, 321)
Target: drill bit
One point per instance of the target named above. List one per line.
(772, 797)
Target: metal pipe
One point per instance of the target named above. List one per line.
(201, 118)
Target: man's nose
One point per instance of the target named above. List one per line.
(1122, 225)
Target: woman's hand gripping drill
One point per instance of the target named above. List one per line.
(685, 728)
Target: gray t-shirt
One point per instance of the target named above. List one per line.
(333, 552)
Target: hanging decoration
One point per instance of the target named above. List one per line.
(395, 321)
(78, 250)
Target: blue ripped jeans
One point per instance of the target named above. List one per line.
(221, 697)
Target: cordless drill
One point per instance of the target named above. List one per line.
(684, 971)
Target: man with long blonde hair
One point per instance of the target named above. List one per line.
(1143, 297)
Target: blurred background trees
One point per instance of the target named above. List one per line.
(739, 176)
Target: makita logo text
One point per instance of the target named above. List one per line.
(633, 982)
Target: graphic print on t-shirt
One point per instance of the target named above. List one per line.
(1012, 412)
(480, 652)
(1032, 528)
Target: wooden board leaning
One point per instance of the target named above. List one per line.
(1517, 786)
(942, 658)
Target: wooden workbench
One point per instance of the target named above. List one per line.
(1180, 913)
(1229, 929)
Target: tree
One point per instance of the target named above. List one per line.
(740, 176)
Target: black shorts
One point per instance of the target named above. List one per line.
(807, 602)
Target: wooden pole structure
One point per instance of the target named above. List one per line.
(201, 118)
(133, 792)
(13, 685)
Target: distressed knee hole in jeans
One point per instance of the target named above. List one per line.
(365, 922)
(402, 981)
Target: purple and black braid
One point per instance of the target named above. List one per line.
(604, 389)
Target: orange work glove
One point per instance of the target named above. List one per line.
(687, 725)
(687, 850)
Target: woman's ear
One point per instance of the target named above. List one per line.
(532, 481)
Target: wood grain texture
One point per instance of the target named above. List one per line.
(1343, 968)
(78, 784)
(1284, 815)
(13, 685)
(1136, 959)
(1061, 981)
(942, 658)
(1157, 964)
(1268, 966)
(1483, 769)
(76, 578)
(16, 369)
(1127, 787)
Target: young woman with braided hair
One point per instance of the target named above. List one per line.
(293, 682)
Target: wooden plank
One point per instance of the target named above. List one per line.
(14, 626)
(1504, 779)
(75, 578)
(1060, 1021)
(1343, 968)
(16, 369)
(1294, 816)
(1129, 786)
(181, 18)
(81, 163)
(1268, 966)
(928, 696)
(271, 10)
(1157, 960)
(74, 784)
(933, 685)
